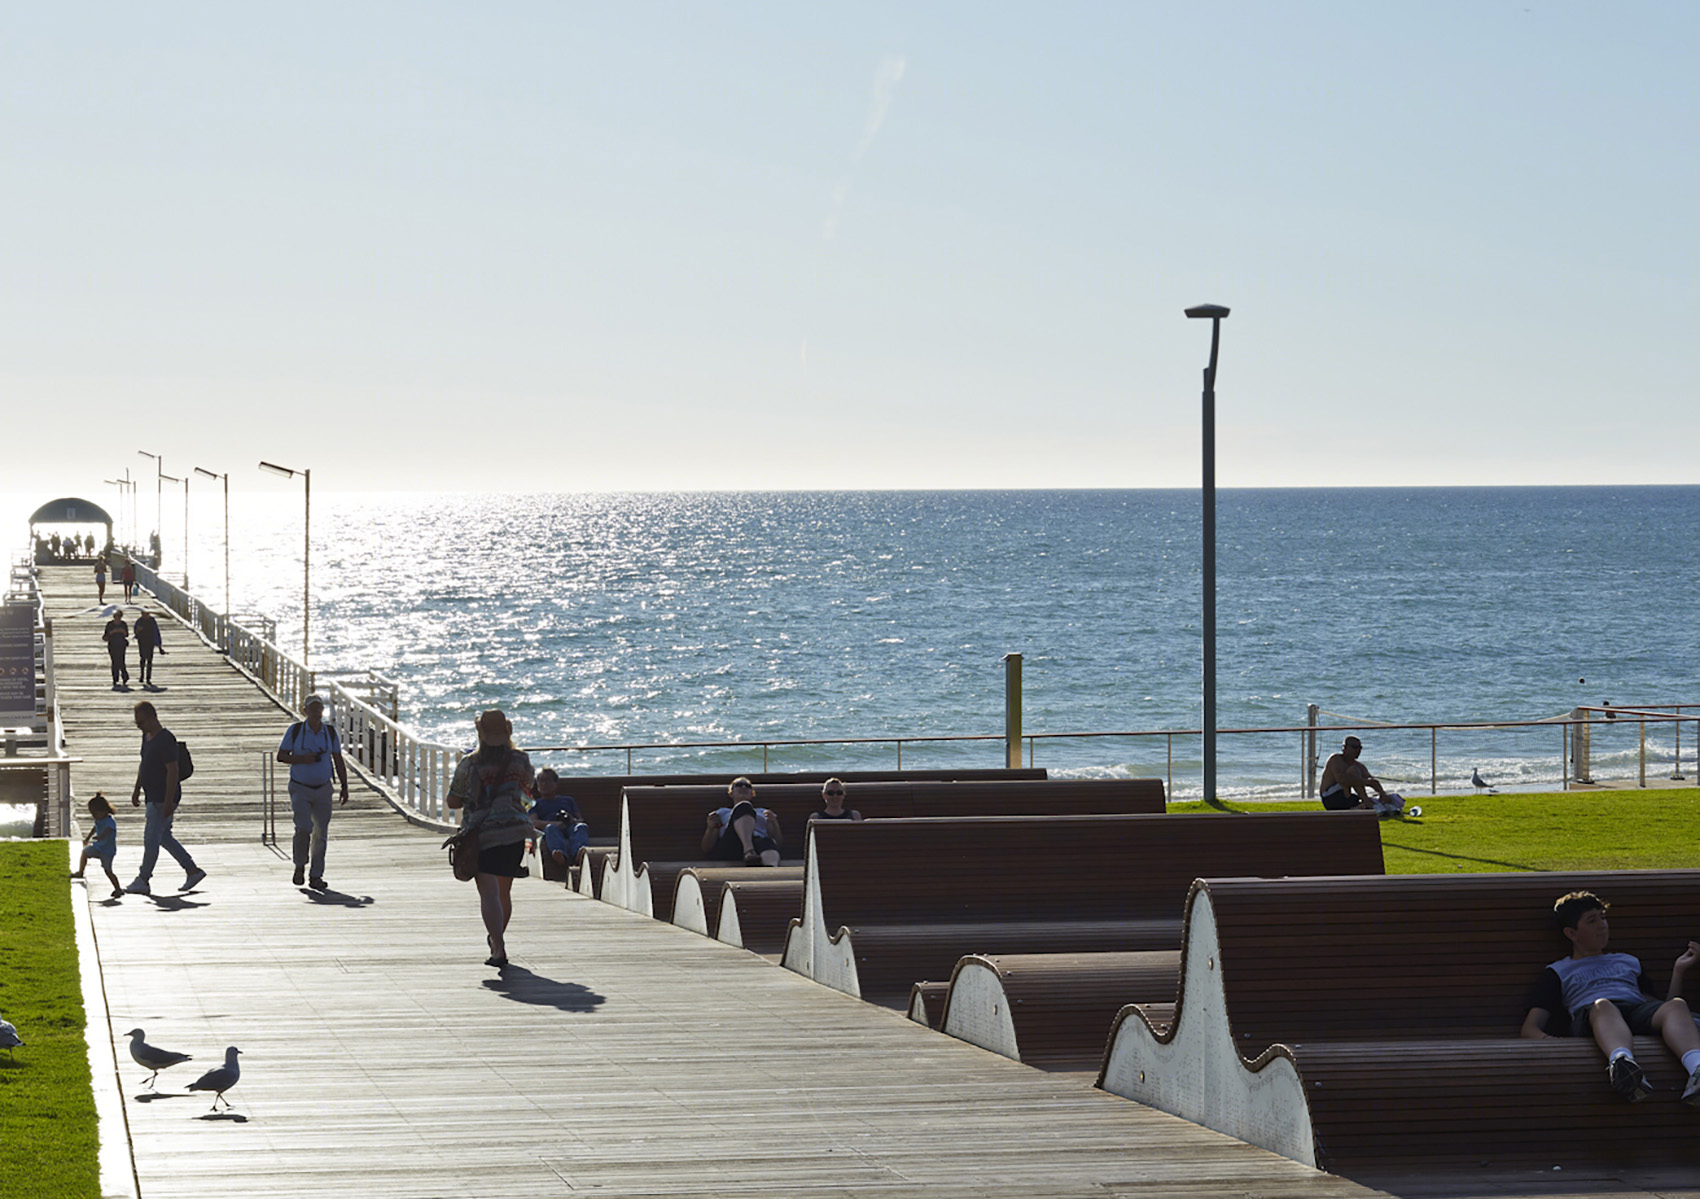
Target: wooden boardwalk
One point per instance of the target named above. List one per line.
(617, 1056)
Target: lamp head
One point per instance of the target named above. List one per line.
(1213, 311)
(201, 470)
(275, 469)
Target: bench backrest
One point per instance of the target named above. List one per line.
(1421, 956)
(598, 796)
(993, 869)
(667, 822)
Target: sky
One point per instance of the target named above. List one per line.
(658, 246)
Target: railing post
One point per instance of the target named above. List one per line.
(1643, 753)
(1676, 770)
(1434, 761)
(1309, 742)
(1580, 741)
(1012, 711)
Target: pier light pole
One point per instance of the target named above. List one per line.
(306, 547)
(1215, 313)
(161, 567)
(201, 470)
(123, 485)
(159, 501)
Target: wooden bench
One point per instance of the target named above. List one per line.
(699, 889)
(598, 797)
(755, 914)
(1051, 1010)
(661, 827)
(1370, 1024)
(889, 903)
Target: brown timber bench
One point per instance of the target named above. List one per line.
(1049, 1010)
(890, 903)
(663, 826)
(598, 796)
(1370, 1025)
(699, 889)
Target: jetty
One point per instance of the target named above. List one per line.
(616, 1055)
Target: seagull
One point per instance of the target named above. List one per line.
(1482, 784)
(150, 1058)
(221, 1079)
(9, 1038)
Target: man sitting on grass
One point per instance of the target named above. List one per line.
(1608, 995)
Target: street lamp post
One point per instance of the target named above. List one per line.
(159, 502)
(123, 486)
(1215, 313)
(199, 470)
(161, 566)
(306, 547)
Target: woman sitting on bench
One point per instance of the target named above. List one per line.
(743, 832)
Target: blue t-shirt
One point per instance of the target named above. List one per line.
(301, 739)
(1599, 976)
(105, 842)
(557, 807)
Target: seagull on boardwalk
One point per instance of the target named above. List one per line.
(9, 1038)
(150, 1058)
(221, 1079)
(1482, 784)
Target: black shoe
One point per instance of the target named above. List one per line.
(1628, 1080)
(300, 875)
(319, 884)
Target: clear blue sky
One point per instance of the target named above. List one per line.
(669, 245)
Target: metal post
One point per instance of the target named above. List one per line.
(1676, 770)
(306, 563)
(185, 534)
(1012, 711)
(1215, 312)
(1311, 711)
(1434, 761)
(1643, 753)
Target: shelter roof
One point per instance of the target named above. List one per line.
(70, 510)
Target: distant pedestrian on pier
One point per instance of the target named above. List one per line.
(147, 641)
(100, 579)
(157, 779)
(127, 576)
(117, 638)
(491, 785)
(311, 749)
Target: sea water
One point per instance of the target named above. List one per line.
(616, 619)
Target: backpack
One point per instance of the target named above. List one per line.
(185, 763)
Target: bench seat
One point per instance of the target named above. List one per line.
(1363, 1024)
(756, 912)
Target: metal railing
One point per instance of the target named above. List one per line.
(416, 771)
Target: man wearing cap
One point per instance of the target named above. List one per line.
(311, 748)
(1345, 778)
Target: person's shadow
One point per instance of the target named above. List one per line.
(337, 899)
(173, 903)
(522, 986)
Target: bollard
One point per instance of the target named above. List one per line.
(1012, 711)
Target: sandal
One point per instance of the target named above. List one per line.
(752, 858)
(493, 960)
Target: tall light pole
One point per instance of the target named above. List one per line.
(306, 548)
(159, 503)
(1215, 313)
(123, 485)
(200, 470)
(161, 566)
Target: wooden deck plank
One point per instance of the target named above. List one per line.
(618, 1054)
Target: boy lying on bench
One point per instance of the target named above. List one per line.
(1608, 995)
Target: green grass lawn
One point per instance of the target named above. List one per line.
(1560, 830)
(48, 1138)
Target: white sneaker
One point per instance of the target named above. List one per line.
(1691, 1093)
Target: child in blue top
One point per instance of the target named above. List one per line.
(102, 842)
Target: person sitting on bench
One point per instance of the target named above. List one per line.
(1607, 994)
(743, 832)
(833, 805)
(557, 816)
(1346, 783)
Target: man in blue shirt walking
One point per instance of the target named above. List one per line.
(311, 748)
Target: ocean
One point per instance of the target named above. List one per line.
(612, 619)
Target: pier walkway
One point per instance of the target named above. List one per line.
(617, 1055)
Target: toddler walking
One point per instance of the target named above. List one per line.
(102, 842)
